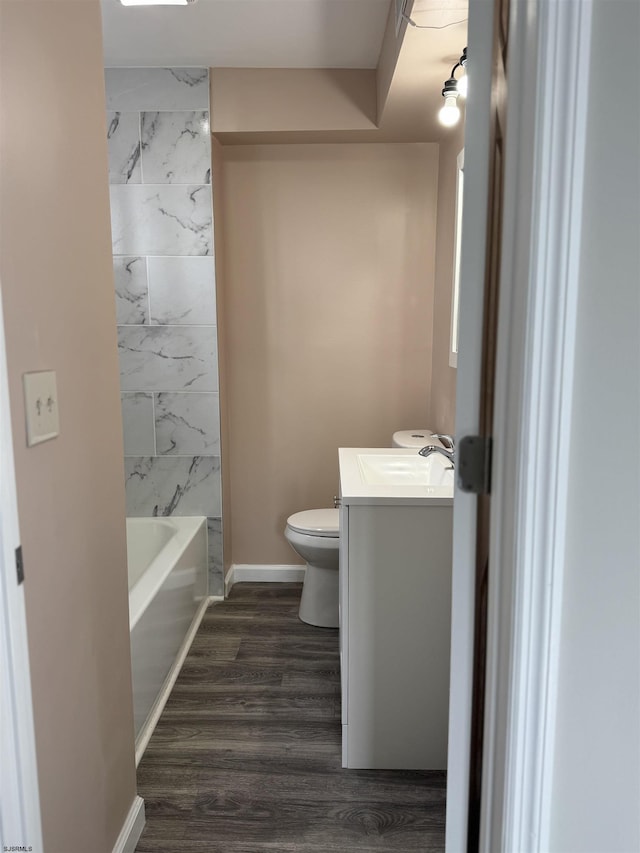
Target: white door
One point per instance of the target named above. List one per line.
(19, 800)
(539, 273)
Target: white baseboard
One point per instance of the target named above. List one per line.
(131, 828)
(154, 715)
(229, 579)
(255, 573)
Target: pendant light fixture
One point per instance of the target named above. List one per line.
(450, 113)
(463, 81)
(454, 88)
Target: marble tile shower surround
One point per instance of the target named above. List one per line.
(168, 358)
(171, 424)
(180, 291)
(159, 219)
(123, 135)
(175, 147)
(132, 290)
(187, 424)
(138, 424)
(179, 485)
(164, 291)
(159, 147)
(138, 89)
(164, 274)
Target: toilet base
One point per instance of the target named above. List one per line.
(319, 602)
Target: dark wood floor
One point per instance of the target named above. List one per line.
(246, 756)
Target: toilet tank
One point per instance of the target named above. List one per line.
(413, 438)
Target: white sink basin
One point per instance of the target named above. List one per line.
(399, 470)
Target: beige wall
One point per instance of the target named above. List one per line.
(253, 100)
(328, 290)
(443, 379)
(57, 292)
(389, 53)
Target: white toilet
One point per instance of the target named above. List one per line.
(412, 438)
(315, 535)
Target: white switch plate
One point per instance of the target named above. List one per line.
(41, 405)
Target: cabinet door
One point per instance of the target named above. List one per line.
(399, 629)
(344, 608)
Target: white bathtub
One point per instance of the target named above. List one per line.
(167, 560)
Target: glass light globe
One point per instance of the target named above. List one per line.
(450, 113)
(463, 86)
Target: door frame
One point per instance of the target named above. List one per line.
(547, 106)
(20, 823)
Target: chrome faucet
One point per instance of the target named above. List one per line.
(432, 448)
(447, 440)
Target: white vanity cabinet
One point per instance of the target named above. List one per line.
(395, 622)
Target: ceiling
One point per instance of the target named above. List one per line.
(246, 33)
(425, 61)
(302, 34)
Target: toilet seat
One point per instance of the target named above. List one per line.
(316, 522)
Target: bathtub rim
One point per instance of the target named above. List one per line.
(158, 522)
(144, 590)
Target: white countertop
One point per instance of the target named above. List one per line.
(355, 490)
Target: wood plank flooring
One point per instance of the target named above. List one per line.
(246, 756)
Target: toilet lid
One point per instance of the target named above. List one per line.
(316, 522)
(412, 438)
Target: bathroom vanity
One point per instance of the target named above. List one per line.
(395, 607)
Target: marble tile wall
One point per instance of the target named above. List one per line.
(162, 232)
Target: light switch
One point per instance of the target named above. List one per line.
(41, 404)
